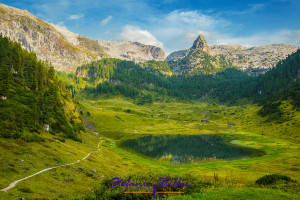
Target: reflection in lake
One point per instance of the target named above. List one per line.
(180, 149)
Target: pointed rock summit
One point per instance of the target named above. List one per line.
(200, 43)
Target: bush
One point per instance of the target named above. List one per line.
(270, 108)
(272, 179)
(27, 136)
(77, 127)
(59, 139)
(25, 190)
(128, 111)
(145, 99)
(89, 174)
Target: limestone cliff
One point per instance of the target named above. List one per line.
(64, 49)
(262, 57)
(132, 51)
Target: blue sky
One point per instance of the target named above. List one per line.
(174, 24)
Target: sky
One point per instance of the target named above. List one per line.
(174, 24)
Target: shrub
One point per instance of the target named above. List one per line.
(59, 139)
(89, 174)
(77, 127)
(272, 179)
(128, 111)
(25, 190)
(271, 110)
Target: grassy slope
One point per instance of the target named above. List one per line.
(230, 193)
(282, 155)
(114, 122)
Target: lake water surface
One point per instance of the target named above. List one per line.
(183, 149)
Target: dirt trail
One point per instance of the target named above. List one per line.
(13, 184)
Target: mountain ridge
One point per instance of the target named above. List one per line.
(64, 49)
(67, 50)
(242, 57)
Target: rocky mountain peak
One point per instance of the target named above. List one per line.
(199, 43)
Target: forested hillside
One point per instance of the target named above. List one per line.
(113, 76)
(33, 99)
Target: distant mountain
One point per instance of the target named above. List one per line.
(132, 51)
(64, 49)
(209, 59)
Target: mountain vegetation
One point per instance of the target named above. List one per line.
(64, 132)
(33, 99)
(122, 100)
(117, 77)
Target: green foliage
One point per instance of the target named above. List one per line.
(60, 139)
(25, 190)
(28, 137)
(199, 62)
(88, 174)
(31, 96)
(112, 77)
(272, 179)
(162, 67)
(145, 99)
(272, 110)
(77, 127)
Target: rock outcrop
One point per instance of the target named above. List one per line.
(53, 43)
(133, 51)
(64, 49)
(200, 43)
(263, 57)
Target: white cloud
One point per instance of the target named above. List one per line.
(107, 32)
(252, 8)
(194, 18)
(263, 38)
(135, 34)
(75, 17)
(256, 7)
(106, 20)
(194, 35)
(178, 29)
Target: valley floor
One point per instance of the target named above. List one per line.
(118, 119)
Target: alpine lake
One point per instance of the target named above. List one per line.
(188, 149)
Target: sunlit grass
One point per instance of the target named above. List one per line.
(118, 119)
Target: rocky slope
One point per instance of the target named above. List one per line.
(260, 57)
(132, 51)
(254, 57)
(64, 49)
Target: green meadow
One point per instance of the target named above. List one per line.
(117, 119)
(110, 101)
